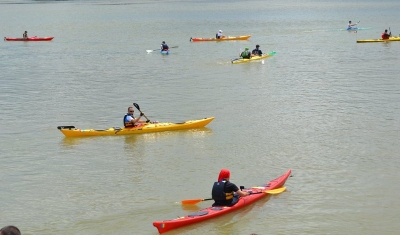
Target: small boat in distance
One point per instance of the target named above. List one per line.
(224, 38)
(379, 40)
(34, 38)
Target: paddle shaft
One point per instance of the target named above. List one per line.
(207, 199)
(160, 49)
(138, 108)
(272, 191)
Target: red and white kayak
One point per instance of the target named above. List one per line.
(34, 38)
(212, 212)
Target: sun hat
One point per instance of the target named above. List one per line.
(220, 31)
(246, 48)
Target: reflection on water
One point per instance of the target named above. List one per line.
(131, 140)
(69, 142)
(190, 208)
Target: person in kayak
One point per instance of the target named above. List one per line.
(350, 25)
(257, 51)
(224, 192)
(164, 46)
(219, 34)
(386, 35)
(25, 35)
(130, 120)
(246, 54)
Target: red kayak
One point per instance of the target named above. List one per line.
(34, 38)
(272, 187)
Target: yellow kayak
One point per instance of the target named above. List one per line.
(379, 40)
(241, 60)
(71, 131)
(220, 39)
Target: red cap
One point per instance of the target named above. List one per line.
(224, 174)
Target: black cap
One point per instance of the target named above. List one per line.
(257, 45)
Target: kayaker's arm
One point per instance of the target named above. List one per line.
(137, 120)
(242, 193)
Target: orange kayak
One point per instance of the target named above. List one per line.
(220, 39)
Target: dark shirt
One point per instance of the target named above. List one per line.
(164, 47)
(256, 52)
(229, 187)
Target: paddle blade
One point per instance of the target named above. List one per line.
(191, 201)
(275, 191)
(137, 106)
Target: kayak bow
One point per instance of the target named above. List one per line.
(212, 212)
(71, 131)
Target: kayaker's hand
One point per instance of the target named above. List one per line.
(141, 114)
(249, 192)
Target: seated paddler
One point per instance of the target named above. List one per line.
(226, 193)
(130, 120)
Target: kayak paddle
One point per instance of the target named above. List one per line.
(138, 108)
(148, 51)
(195, 201)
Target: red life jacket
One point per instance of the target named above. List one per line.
(385, 36)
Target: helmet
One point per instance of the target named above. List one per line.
(246, 48)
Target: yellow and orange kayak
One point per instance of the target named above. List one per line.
(71, 131)
(220, 39)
